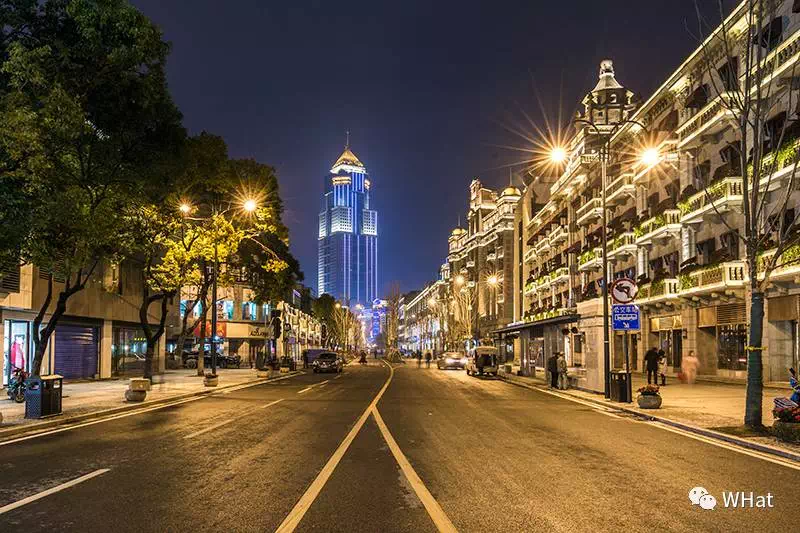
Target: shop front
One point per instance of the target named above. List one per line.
(77, 351)
(17, 347)
(128, 348)
(666, 333)
(722, 340)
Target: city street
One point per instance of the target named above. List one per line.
(482, 455)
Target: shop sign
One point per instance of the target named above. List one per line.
(221, 329)
(260, 331)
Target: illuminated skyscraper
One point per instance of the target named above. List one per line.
(347, 265)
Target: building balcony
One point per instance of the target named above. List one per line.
(589, 212)
(559, 276)
(543, 245)
(711, 119)
(491, 256)
(470, 264)
(620, 190)
(501, 253)
(591, 260)
(530, 288)
(661, 292)
(786, 268)
(717, 279)
(543, 283)
(558, 236)
(778, 166)
(623, 246)
(530, 255)
(713, 201)
(659, 228)
(501, 298)
(551, 313)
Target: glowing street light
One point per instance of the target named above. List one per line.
(250, 205)
(492, 280)
(185, 208)
(558, 155)
(650, 157)
(431, 301)
(459, 280)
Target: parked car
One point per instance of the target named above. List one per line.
(328, 362)
(451, 360)
(483, 362)
(223, 361)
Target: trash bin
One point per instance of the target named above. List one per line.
(620, 386)
(43, 396)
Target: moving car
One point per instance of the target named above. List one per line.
(328, 362)
(483, 362)
(451, 360)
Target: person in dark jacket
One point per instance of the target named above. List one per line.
(552, 367)
(651, 365)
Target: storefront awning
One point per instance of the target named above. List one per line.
(547, 321)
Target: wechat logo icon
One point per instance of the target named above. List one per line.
(700, 496)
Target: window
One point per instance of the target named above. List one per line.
(771, 35)
(705, 250)
(688, 250)
(730, 244)
(729, 74)
(731, 341)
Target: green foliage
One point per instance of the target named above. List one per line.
(587, 256)
(685, 282)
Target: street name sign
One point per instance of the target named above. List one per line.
(625, 318)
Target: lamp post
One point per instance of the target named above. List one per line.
(649, 156)
(186, 209)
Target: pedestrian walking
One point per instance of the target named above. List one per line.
(552, 368)
(428, 359)
(689, 367)
(662, 367)
(561, 363)
(305, 359)
(651, 365)
(419, 359)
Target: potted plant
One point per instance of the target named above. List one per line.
(787, 423)
(648, 398)
(211, 380)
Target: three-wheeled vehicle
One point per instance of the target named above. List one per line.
(483, 361)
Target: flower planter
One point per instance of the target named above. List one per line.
(264, 373)
(211, 380)
(787, 431)
(135, 395)
(649, 401)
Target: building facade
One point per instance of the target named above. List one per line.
(347, 267)
(674, 219)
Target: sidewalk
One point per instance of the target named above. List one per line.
(705, 405)
(90, 397)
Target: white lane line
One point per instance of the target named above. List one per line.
(304, 503)
(133, 413)
(607, 413)
(440, 519)
(337, 377)
(312, 386)
(226, 422)
(48, 492)
(720, 444)
(695, 436)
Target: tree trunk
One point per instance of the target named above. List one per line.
(201, 350)
(755, 370)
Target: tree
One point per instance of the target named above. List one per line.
(753, 89)
(393, 302)
(464, 312)
(324, 309)
(86, 125)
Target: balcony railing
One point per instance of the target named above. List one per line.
(590, 260)
(622, 246)
(620, 190)
(717, 278)
(550, 313)
(558, 235)
(663, 226)
(707, 121)
(530, 288)
(787, 266)
(589, 212)
(491, 256)
(501, 253)
(662, 290)
(470, 264)
(542, 245)
(530, 255)
(559, 275)
(719, 198)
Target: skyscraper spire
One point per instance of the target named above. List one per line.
(347, 141)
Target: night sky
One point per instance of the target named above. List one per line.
(428, 89)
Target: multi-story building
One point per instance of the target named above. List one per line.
(347, 266)
(674, 219)
(423, 324)
(480, 258)
(98, 337)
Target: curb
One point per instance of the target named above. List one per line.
(56, 422)
(763, 448)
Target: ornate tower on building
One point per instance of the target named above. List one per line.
(347, 267)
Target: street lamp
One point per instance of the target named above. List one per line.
(248, 205)
(648, 157)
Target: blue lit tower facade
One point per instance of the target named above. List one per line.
(347, 265)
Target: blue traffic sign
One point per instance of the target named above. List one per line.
(625, 318)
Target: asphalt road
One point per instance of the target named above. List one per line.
(489, 455)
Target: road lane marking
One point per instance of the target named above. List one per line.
(226, 422)
(134, 412)
(48, 492)
(437, 514)
(312, 386)
(708, 440)
(304, 503)
(337, 377)
(607, 413)
(691, 435)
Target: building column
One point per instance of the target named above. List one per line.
(106, 340)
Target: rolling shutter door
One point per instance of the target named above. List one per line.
(76, 352)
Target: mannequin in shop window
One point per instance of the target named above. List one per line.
(17, 352)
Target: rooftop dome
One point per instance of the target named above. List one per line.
(511, 191)
(457, 231)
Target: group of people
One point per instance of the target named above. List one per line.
(418, 357)
(655, 362)
(557, 367)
